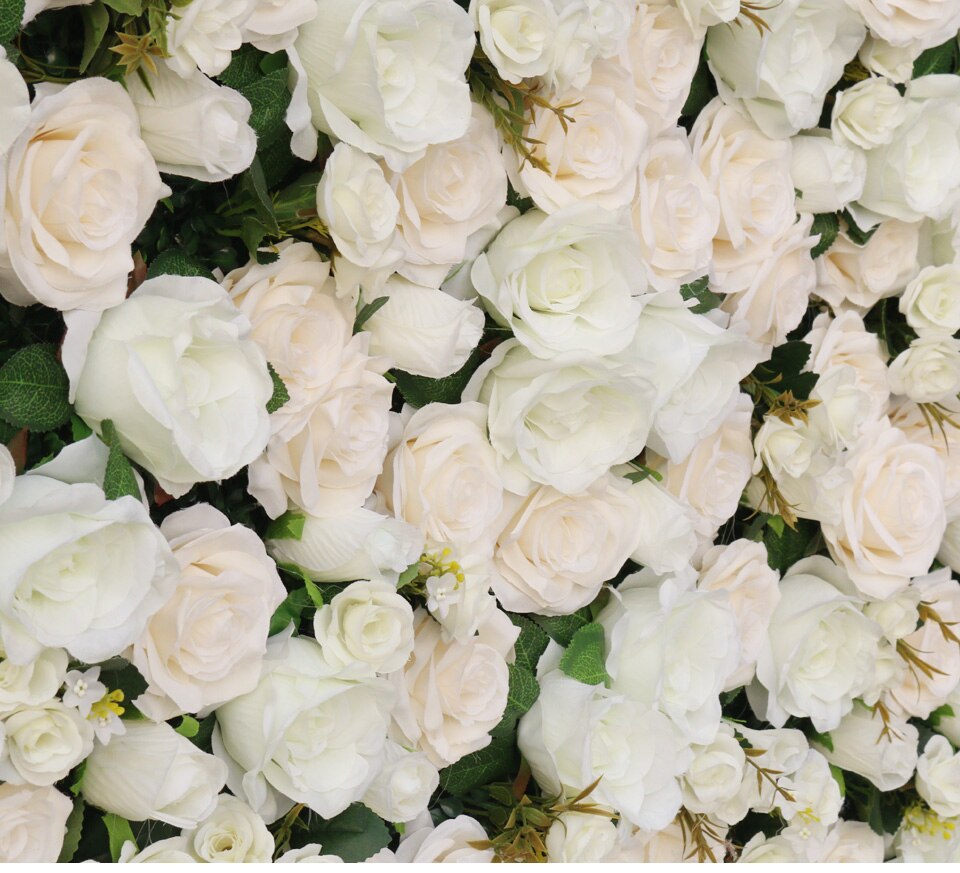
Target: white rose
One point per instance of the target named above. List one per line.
(672, 647)
(662, 55)
(749, 172)
(557, 550)
(403, 788)
(151, 772)
(827, 175)
(949, 725)
(303, 736)
(856, 277)
(760, 849)
(442, 476)
(32, 823)
(938, 777)
(924, 23)
(675, 213)
(780, 74)
(575, 733)
(204, 33)
(325, 454)
(929, 370)
(192, 126)
(785, 449)
(449, 843)
(854, 842)
(563, 282)
(892, 513)
(526, 397)
(949, 552)
(882, 58)
(32, 683)
(578, 837)
(8, 473)
(845, 340)
(422, 330)
(867, 114)
(814, 794)
(365, 629)
(274, 24)
(81, 572)
(740, 568)
(359, 544)
(574, 46)
(703, 13)
(901, 181)
(14, 104)
(667, 845)
(173, 850)
(66, 252)
(206, 644)
(43, 743)
(666, 529)
(594, 156)
(310, 854)
(453, 191)
(233, 834)
(862, 744)
(358, 208)
(173, 369)
(816, 631)
(516, 35)
(929, 302)
(395, 84)
(303, 328)
(453, 692)
(715, 774)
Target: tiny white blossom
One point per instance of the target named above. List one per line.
(82, 690)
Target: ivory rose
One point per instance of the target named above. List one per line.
(233, 833)
(203, 34)
(43, 743)
(32, 823)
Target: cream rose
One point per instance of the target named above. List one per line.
(715, 774)
(206, 644)
(274, 24)
(928, 371)
(32, 683)
(577, 837)
(882, 58)
(922, 23)
(396, 83)
(15, 103)
(557, 550)
(43, 743)
(930, 302)
(403, 788)
(81, 148)
(447, 843)
(827, 175)
(938, 775)
(701, 13)
(151, 772)
(516, 35)
(867, 113)
(232, 834)
(205, 33)
(32, 823)
(666, 527)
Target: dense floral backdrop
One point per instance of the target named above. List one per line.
(507, 430)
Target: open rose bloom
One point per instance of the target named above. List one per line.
(471, 431)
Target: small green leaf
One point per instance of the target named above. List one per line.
(824, 740)
(279, 397)
(313, 592)
(945, 711)
(584, 658)
(119, 479)
(825, 225)
(33, 389)
(699, 289)
(119, 832)
(531, 643)
(79, 429)
(11, 14)
(290, 610)
(297, 203)
(174, 262)
(366, 312)
(96, 20)
(71, 839)
(408, 575)
(702, 89)
(269, 97)
(189, 727)
(354, 835)
(288, 526)
(128, 7)
(78, 778)
(776, 524)
(561, 628)
(858, 236)
(494, 762)
(244, 68)
(784, 549)
(419, 390)
(937, 60)
(837, 774)
(643, 473)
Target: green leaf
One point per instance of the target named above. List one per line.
(290, 610)
(521, 695)
(937, 60)
(79, 429)
(495, 762)
(189, 727)
(561, 628)
(837, 774)
(788, 361)
(119, 479)
(269, 97)
(642, 474)
(824, 740)
(174, 262)
(702, 89)
(366, 311)
(280, 395)
(11, 14)
(71, 839)
(244, 68)
(408, 575)
(288, 526)
(33, 389)
(786, 548)
(826, 225)
(776, 524)
(253, 184)
(96, 20)
(858, 236)
(119, 832)
(297, 203)
(945, 711)
(354, 835)
(584, 658)
(531, 643)
(699, 290)
(419, 390)
(128, 7)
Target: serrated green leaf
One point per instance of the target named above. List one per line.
(119, 479)
(521, 695)
(584, 659)
(33, 389)
(174, 262)
(354, 835)
(786, 548)
(189, 727)
(367, 311)
(280, 396)
(561, 628)
(288, 526)
(11, 14)
(937, 60)
(858, 236)
(825, 225)
(269, 97)
(290, 610)
(493, 763)
(71, 839)
(419, 390)
(244, 68)
(700, 291)
(531, 643)
(119, 832)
